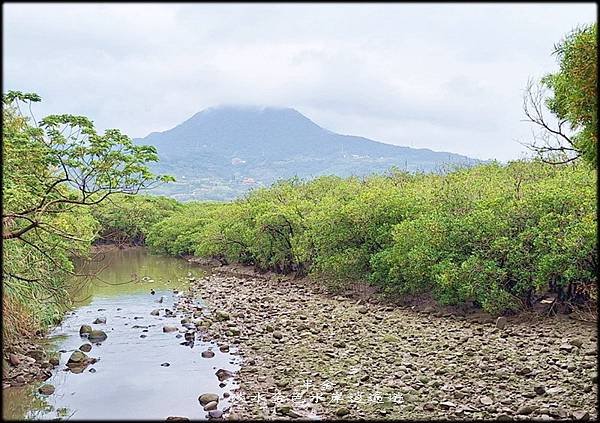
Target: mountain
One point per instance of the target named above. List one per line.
(220, 153)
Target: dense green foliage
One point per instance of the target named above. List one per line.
(570, 95)
(54, 170)
(574, 88)
(496, 235)
(128, 219)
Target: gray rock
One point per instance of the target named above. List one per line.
(524, 371)
(169, 328)
(208, 397)
(177, 419)
(46, 389)
(156, 312)
(556, 390)
(100, 320)
(566, 347)
(85, 329)
(540, 390)
(277, 335)
(210, 406)
(77, 357)
(501, 322)
(215, 414)
(207, 354)
(447, 404)
(581, 415)
(223, 374)
(485, 400)
(576, 342)
(221, 315)
(37, 355)
(97, 336)
(526, 409)
(86, 347)
(283, 409)
(342, 411)
(14, 359)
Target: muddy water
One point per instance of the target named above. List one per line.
(130, 380)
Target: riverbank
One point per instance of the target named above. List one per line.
(308, 354)
(27, 361)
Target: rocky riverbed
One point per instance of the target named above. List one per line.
(306, 354)
(27, 361)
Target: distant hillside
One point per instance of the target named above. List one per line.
(220, 153)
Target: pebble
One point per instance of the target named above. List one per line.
(210, 406)
(46, 389)
(581, 415)
(207, 398)
(342, 411)
(526, 409)
(85, 329)
(86, 347)
(215, 414)
(501, 322)
(14, 359)
(485, 400)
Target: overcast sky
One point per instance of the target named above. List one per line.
(443, 76)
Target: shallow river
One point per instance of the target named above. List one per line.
(128, 380)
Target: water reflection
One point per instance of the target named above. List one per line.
(130, 380)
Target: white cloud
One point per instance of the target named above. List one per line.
(441, 76)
